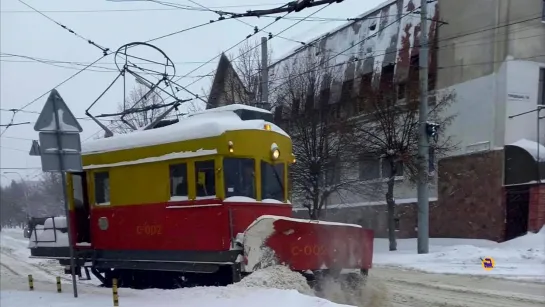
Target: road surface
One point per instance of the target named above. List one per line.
(411, 288)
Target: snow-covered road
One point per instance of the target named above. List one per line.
(387, 286)
(418, 289)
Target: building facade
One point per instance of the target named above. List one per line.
(491, 53)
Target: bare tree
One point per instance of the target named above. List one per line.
(12, 205)
(238, 77)
(139, 97)
(387, 134)
(320, 136)
(248, 67)
(51, 193)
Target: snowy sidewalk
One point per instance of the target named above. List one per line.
(191, 297)
(522, 258)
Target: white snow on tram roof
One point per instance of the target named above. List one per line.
(207, 124)
(232, 107)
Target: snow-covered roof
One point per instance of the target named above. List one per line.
(333, 31)
(204, 125)
(532, 148)
(386, 35)
(231, 107)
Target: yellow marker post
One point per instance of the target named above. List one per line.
(59, 286)
(30, 283)
(114, 292)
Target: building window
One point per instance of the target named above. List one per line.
(346, 91)
(396, 224)
(102, 188)
(324, 97)
(541, 94)
(178, 180)
(272, 181)
(369, 168)
(205, 178)
(387, 169)
(239, 176)
(333, 173)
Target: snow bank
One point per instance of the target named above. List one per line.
(276, 277)
(520, 258)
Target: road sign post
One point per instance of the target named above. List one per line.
(60, 151)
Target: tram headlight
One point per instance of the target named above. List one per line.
(267, 127)
(231, 149)
(275, 152)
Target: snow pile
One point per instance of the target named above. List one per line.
(276, 277)
(520, 258)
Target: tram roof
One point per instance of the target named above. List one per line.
(209, 123)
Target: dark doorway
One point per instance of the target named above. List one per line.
(81, 208)
(517, 203)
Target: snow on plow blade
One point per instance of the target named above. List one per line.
(308, 245)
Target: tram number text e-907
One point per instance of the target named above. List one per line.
(149, 230)
(308, 250)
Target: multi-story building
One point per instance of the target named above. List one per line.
(491, 53)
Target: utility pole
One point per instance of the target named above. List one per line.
(423, 142)
(264, 74)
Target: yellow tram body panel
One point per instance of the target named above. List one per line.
(141, 182)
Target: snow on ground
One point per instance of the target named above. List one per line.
(189, 297)
(278, 277)
(15, 256)
(271, 287)
(521, 258)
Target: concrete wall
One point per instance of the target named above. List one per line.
(483, 106)
(473, 128)
(480, 35)
(375, 216)
(522, 96)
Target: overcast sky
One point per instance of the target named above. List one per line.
(113, 24)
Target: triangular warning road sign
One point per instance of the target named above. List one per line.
(35, 149)
(55, 108)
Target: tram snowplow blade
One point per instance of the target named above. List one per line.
(307, 245)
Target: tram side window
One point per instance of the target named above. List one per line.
(205, 177)
(272, 181)
(102, 188)
(178, 180)
(239, 176)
